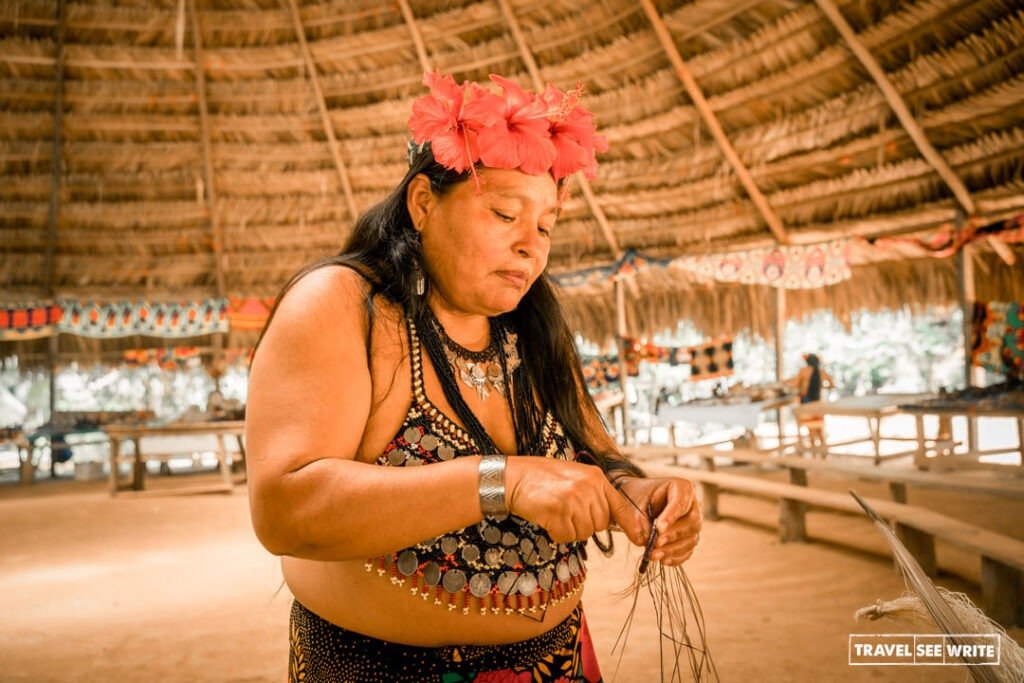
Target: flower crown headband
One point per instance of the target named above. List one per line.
(468, 124)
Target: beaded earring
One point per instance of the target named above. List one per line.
(419, 281)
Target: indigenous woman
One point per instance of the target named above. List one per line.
(423, 452)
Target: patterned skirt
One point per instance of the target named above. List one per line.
(322, 652)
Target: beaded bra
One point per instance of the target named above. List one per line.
(499, 565)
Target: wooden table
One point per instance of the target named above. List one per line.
(872, 408)
(971, 458)
(135, 433)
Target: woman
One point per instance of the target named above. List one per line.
(809, 381)
(435, 339)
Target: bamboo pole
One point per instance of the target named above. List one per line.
(56, 168)
(538, 85)
(965, 280)
(210, 183)
(899, 106)
(325, 117)
(711, 121)
(417, 37)
(968, 294)
(620, 342)
(780, 333)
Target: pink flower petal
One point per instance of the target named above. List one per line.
(536, 153)
(498, 147)
(430, 117)
(454, 150)
(515, 97)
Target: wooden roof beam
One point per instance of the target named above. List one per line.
(711, 121)
(325, 117)
(910, 124)
(56, 166)
(417, 37)
(538, 85)
(216, 230)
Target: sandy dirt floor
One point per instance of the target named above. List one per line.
(177, 589)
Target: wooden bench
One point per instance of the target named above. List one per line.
(897, 479)
(135, 433)
(1002, 557)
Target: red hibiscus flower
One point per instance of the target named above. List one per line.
(437, 118)
(522, 139)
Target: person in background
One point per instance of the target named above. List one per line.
(809, 382)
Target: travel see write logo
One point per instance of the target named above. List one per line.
(910, 649)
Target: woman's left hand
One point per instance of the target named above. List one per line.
(677, 515)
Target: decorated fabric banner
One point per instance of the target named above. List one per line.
(948, 240)
(250, 313)
(798, 267)
(29, 320)
(629, 263)
(997, 337)
(127, 318)
(711, 360)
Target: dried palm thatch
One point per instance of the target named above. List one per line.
(192, 158)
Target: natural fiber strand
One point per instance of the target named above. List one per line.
(950, 620)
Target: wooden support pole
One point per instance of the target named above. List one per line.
(620, 335)
(899, 106)
(56, 171)
(538, 85)
(792, 521)
(325, 115)
(921, 545)
(780, 334)
(711, 121)
(965, 278)
(709, 501)
(209, 179)
(1001, 597)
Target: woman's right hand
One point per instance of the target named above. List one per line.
(570, 500)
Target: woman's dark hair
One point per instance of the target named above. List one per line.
(384, 248)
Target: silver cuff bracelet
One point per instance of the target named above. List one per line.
(492, 486)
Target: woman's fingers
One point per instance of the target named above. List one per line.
(679, 501)
(627, 517)
(676, 551)
(567, 499)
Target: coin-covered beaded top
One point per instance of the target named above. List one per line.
(499, 565)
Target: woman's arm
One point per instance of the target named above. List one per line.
(309, 400)
(310, 393)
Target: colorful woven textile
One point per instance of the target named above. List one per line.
(128, 318)
(601, 372)
(799, 267)
(29, 320)
(711, 360)
(629, 263)
(997, 337)
(636, 351)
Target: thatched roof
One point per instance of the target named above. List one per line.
(211, 147)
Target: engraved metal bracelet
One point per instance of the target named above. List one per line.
(492, 486)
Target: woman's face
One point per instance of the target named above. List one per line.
(484, 249)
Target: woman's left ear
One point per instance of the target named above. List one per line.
(419, 199)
